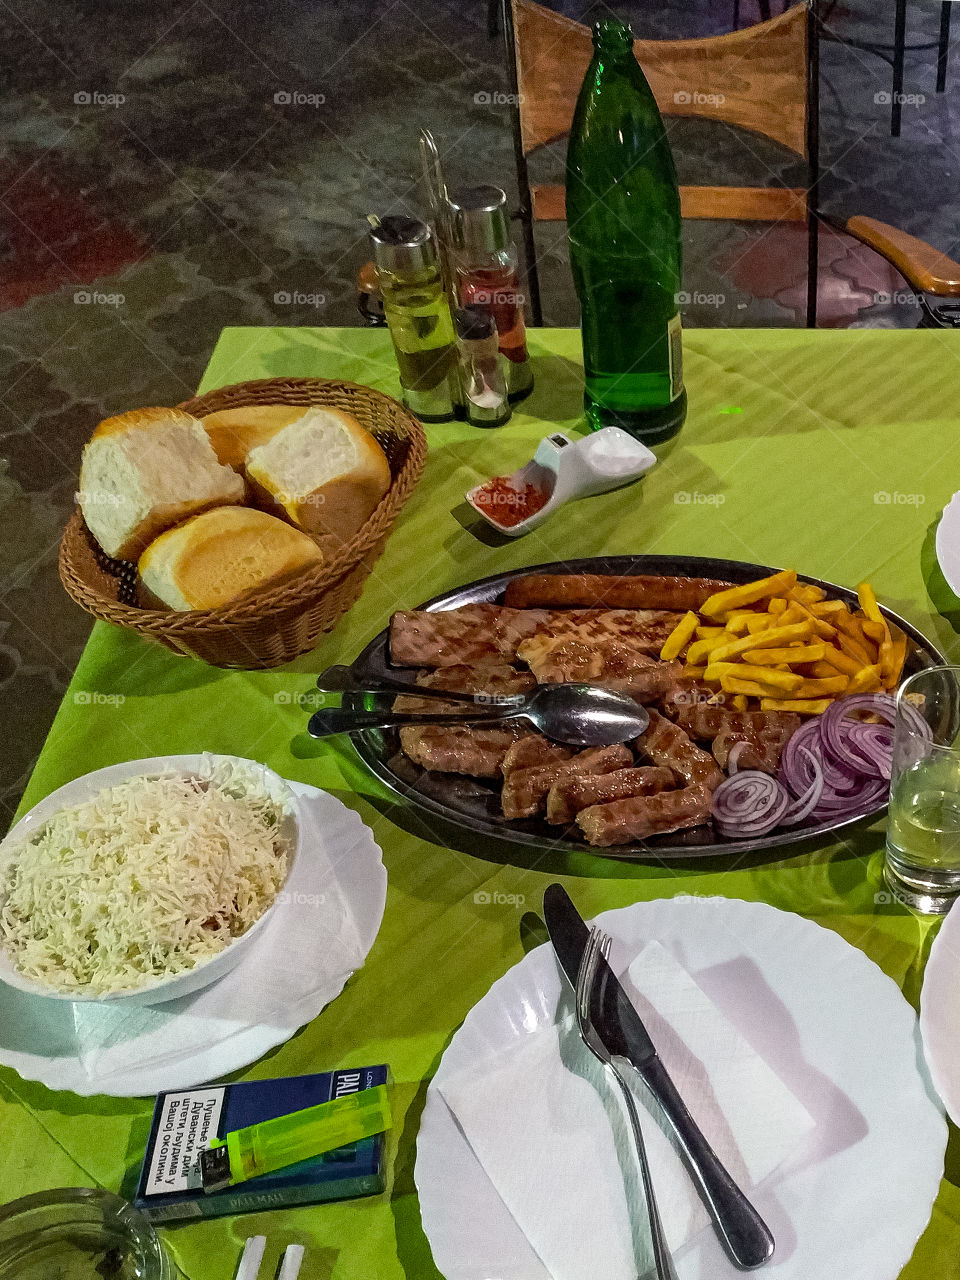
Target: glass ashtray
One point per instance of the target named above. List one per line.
(79, 1233)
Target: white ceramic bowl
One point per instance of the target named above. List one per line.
(85, 788)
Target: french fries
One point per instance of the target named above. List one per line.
(681, 634)
(778, 584)
(781, 643)
(769, 639)
(796, 653)
(788, 681)
(803, 706)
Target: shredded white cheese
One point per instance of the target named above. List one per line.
(144, 881)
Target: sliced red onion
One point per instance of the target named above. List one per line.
(750, 803)
(736, 751)
(870, 791)
(836, 765)
(835, 724)
(873, 743)
(805, 805)
(791, 763)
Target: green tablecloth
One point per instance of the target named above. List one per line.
(831, 452)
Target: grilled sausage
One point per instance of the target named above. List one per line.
(626, 820)
(640, 591)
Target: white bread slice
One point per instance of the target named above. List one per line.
(323, 470)
(222, 555)
(143, 472)
(234, 432)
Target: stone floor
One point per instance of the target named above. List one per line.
(170, 169)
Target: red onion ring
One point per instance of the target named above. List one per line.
(805, 805)
(736, 751)
(750, 803)
(834, 766)
(835, 725)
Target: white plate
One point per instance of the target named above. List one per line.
(833, 1026)
(940, 1013)
(948, 543)
(90, 785)
(319, 935)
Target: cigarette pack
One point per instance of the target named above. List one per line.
(185, 1120)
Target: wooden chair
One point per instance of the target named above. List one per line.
(764, 79)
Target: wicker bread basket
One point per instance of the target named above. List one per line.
(279, 623)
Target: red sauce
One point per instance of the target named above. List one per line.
(507, 505)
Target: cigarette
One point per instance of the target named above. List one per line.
(251, 1258)
(292, 1258)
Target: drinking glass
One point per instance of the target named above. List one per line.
(922, 866)
(79, 1233)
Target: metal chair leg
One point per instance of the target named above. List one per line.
(943, 50)
(899, 41)
(736, 15)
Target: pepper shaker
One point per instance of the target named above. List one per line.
(483, 386)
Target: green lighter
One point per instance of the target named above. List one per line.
(285, 1140)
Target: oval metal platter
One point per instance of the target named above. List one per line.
(474, 804)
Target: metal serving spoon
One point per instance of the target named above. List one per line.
(582, 715)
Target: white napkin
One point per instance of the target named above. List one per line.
(552, 1135)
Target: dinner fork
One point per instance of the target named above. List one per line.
(598, 945)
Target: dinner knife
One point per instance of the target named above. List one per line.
(745, 1236)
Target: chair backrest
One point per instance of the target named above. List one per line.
(755, 78)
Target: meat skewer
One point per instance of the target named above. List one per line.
(568, 796)
(640, 591)
(665, 743)
(626, 820)
(524, 790)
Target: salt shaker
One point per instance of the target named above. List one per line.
(483, 387)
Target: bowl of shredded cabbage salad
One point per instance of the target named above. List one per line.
(144, 881)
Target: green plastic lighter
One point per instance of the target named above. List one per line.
(285, 1140)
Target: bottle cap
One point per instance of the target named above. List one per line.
(612, 35)
(403, 244)
(479, 223)
(473, 325)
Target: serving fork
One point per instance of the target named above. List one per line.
(598, 946)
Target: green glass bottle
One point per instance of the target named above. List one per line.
(623, 219)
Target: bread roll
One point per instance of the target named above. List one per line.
(145, 471)
(234, 432)
(323, 470)
(220, 556)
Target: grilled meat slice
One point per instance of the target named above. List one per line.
(455, 637)
(642, 591)
(568, 796)
(685, 694)
(766, 733)
(643, 629)
(534, 749)
(524, 790)
(761, 749)
(665, 743)
(613, 663)
(474, 751)
(701, 720)
(634, 819)
(478, 633)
